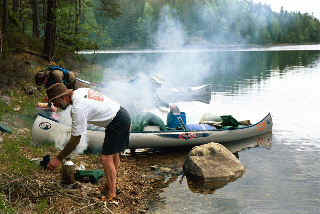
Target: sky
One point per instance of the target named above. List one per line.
(304, 6)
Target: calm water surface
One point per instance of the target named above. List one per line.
(284, 179)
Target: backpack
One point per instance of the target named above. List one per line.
(66, 76)
(66, 79)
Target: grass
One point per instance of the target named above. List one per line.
(19, 115)
(21, 111)
(17, 170)
(18, 164)
(4, 205)
(3, 108)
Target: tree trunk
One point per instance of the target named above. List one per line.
(35, 18)
(44, 12)
(81, 13)
(5, 19)
(140, 4)
(1, 42)
(16, 6)
(77, 18)
(50, 34)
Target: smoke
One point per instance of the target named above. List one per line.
(173, 63)
(170, 34)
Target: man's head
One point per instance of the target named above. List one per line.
(59, 95)
(174, 109)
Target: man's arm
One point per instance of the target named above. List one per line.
(69, 147)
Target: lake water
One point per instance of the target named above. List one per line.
(248, 84)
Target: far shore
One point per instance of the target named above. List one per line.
(213, 48)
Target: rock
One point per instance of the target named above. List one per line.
(5, 99)
(23, 131)
(213, 162)
(17, 108)
(165, 169)
(36, 160)
(1, 139)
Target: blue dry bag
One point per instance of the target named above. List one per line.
(174, 122)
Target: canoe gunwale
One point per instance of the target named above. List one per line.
(43, 131)
(215, 130)
(173, 131)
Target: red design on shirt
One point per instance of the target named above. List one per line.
(94, 95)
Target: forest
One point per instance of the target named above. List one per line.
(110, 24)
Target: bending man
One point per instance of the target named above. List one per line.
(89, 106)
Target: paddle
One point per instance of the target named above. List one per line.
(97, 85)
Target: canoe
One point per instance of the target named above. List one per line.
(163, 93)
(46, 129)
(200, 93)
(182, 138)
(166, 93)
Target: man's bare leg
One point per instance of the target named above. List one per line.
(111, 174)
(116, 161)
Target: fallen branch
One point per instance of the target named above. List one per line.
(84, 207)
(105, 206)
(90, 205)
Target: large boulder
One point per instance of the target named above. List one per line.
(213, 163)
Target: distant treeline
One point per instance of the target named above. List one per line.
(214, 21)
(92, 24)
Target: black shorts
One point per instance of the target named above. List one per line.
(117, 133)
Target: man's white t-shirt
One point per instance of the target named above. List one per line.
(90, 106)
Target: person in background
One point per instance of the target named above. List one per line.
(56, 74)
(175, 118)
(52, 75)
(89, 106)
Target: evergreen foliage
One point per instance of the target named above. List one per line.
(93, 24)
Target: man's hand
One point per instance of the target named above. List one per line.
(53, 108)
(50, 107)
(42, 105)
(53, 164)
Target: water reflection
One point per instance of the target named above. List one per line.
(200, 186)
(263, 141)
(228, 71)
(204, 187)
(234, 71)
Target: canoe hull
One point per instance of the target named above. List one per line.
(194, 138)
(47, 130)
